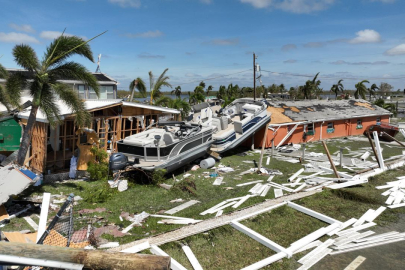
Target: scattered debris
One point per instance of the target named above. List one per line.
(218, 181)
(137, 220)
(181, 207)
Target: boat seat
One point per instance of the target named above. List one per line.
(168, 139)
(239, 124)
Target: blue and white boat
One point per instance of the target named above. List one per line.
(237, 122)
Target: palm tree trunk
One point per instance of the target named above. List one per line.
(26, 139)
(133, 90)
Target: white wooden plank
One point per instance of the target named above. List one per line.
(358, 228)
(316, 251)
(260, 238)
(396, 205)
(137, 248)
(221, 208)
(218, 181)
(181, 207)
(376, 240)
(191, 257)
(356, 263)
(399, 198)
(170, 217)
(343, 226)
(364, 217)
(353, 238)
(270, 178)
(249, 183)
(367, 246)
(390, 199)
(260, 211)
(110, 245)
(278, 192)
(219, 213)
(265, 262)
(280, 186)
(212, 208)
(236, 205)
(300, 187)
(179, 221)
(312, 213)
(256, 187)
(382, 236)
(312, 237)
(264, 193)
(31, 223)
(378, 149)
(309, 246)
(376, 214)
(315, 259)
(343, 238)
(348, 184)
(46, 199)
(174, 265)
(295, 175)
(312, 175)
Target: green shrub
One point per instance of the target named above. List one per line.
(98, 169)
(158, 176)
(99, 194)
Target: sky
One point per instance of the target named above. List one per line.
(214, 40)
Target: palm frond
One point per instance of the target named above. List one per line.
(14, 85)
(65, 46)
(4, 99)
(49, 106)
(74, 71)
(139, 85)
(3, 72)
(26, 57)
(73, 101)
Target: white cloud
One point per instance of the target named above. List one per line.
(288, 47)
(22, 28)
(148, 34)
(375, 63)
(294, 6)
(398, 50)
(366, 36)
(13, 37)
(148, 55)
(126, 3)
(51, 35)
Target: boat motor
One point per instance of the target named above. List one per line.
(118, 161)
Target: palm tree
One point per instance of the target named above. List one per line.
(138, 84)
(179, 104)
(310, 87)
(202, 84)
(197, 96)
(177, 91)
(155, 86)
(3, 94)
(361, 89)
(221, 92)
(336, 88)
(373, 90)
(209, 89)
(45, 88)
(388, 106)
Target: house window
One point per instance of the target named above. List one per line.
(311, 129)
(92, 94)
(378, 121)
(106, 92)
(359, 124)
(330, 128)
(81, 89)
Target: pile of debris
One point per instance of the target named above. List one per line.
(395, 192)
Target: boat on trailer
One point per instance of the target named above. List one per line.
(237, 122)
(172, 144)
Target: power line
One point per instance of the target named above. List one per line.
(329, 77)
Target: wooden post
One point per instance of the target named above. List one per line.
(64, 142)
(303, 152)
(330, 159)
(373, 147)
(389, 136)
(341, 158)
(263, 145)
(91, 259)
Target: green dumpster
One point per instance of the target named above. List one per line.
(10, 134)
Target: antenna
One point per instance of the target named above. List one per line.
(98, 70)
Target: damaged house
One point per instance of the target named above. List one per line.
(313, 120)
(112, 119)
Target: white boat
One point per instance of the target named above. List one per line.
(172, 144)
(237, 122)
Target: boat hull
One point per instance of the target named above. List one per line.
(234, 141)
(392, 131)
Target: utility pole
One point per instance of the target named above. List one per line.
(254, 76)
